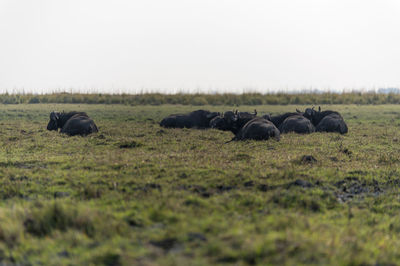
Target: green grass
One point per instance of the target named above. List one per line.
(138, 194)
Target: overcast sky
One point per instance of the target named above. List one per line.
(198, 45)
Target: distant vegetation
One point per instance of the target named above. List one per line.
(206, 99)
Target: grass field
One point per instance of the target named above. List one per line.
(137, 194)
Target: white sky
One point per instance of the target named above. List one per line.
(198, 45)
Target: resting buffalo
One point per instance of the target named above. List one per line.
(326, 121)
(298, 124)
(258, 129)
(218, 122)
(195, 119)
(332, 123)
(291, 122)
(226, 122)
(232, 121)
(244, 117)
(278, 119)
(72, 123)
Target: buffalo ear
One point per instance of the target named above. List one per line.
(297, 110)
(319, 108)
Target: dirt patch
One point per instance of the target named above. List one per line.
(61, 194)
(196, 237)
(19, 179)
(263, 187)
(25, 165)
(166, 244)
(344, 190)
(148, 187)
(346, 151)
(308, 159)
(300, 183)
(248, 183)
(224, 188)
(130, 145)
(207, 192)
(351, 187)
(297, 183)
(202, 191)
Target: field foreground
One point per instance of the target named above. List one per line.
(137, 194)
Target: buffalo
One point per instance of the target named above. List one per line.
(258, 129)
(332, 123)
(226, 122)
(326, 121)
(278, 119)
(218, 122)
(72, 123)
(291, 122)
(244, 117)
(297, 124)
(196, 119)
(232, 121)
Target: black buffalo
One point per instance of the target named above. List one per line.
(219, 122)
(258, 129)
(332, 123)
(244, 117)
(291, 122)
(72, 123)
(226, 122)
(232, 121)
(278, 119)
(298, 124)
(196, 119)
(326, 121)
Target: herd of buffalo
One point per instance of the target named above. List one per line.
(246, 125)
(243, 125)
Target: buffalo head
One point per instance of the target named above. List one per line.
(53, 123)
(218, 122)
(310, 113)
(230, 117)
